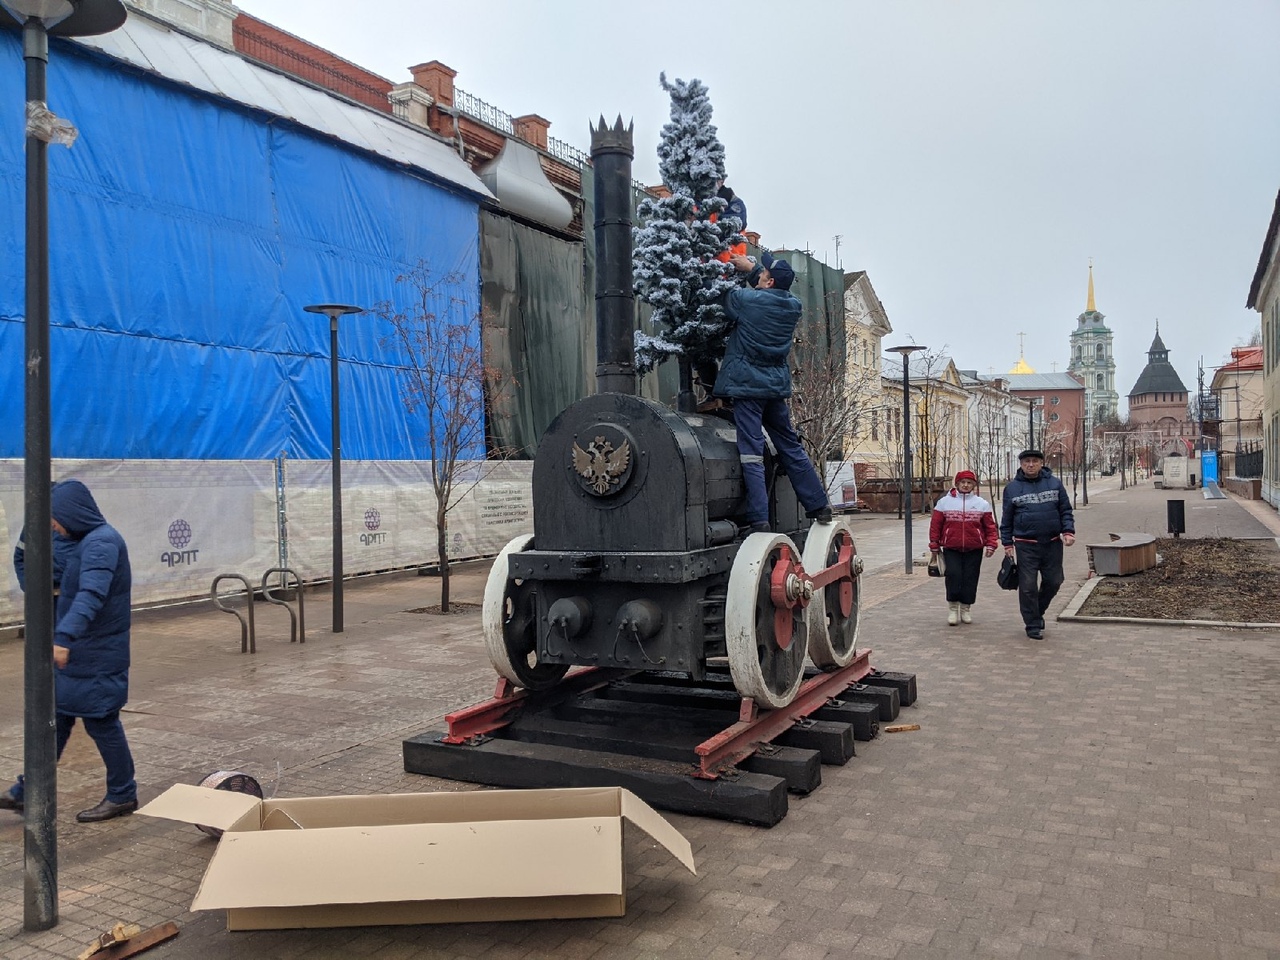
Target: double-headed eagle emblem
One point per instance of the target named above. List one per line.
(600, 464)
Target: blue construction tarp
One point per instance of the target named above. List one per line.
(186, 235)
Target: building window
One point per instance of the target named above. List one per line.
(875, 424)
(1053, 418)
(1100, 351)
(1102, 382)
(1054, 400)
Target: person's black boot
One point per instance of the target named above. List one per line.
(822, 515)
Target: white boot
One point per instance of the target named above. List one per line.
(964, 614)
(953, 613)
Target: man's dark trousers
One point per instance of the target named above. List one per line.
(108, 736)
(1039, 578)
(752, 417)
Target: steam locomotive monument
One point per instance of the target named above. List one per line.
(637, 568)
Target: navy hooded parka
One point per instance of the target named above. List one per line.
(93, 615)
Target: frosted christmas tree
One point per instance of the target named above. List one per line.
(675, 267)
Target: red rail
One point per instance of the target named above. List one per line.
(755, 727)
(494, 714)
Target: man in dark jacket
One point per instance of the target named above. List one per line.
(91, 643)
(12, 799)
(1037, 518)
(756, 376)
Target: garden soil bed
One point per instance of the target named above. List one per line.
(1197, 579)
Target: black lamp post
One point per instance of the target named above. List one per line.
(38, 19)
(905, 352)
(333, 311)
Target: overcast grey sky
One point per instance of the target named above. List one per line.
(972, 155)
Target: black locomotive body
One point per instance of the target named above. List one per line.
(636, 561)
(633, 535)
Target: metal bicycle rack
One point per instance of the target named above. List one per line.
(297, 622)
(248, 641)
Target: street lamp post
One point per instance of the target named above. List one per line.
(334, 311)
(38, 19)
(1084, 457)
(905, 352)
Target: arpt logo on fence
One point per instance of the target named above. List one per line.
(372, 521)
(179, 538)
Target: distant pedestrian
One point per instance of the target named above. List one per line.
(91, 646)
(963, 529)
(1038, 521)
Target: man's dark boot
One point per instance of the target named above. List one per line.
(107, 810)
(9, 802)
(822, 515)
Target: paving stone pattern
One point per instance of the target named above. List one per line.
(1111, 792)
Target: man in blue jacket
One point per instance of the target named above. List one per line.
(62, 550)
(1037, 518)
(755, 374)
(91, 645)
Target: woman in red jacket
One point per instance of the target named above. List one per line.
(964, 529)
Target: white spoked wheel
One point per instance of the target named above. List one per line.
(834, 609)
(509, 619)
(766, 642)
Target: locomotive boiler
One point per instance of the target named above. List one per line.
(637, 560)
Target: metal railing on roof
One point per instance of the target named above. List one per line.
(569, 154)
(486, 113)
(500, 120)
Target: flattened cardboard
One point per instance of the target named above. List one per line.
(416, 858)
(213, 808)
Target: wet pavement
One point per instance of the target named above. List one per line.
(1111, 792)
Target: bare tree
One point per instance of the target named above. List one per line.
(886, 432)
(831, 404)
(933, 440)
(446, 381)
(987, 440)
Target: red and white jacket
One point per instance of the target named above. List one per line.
(962, 521)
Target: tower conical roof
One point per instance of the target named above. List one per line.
(1158, 376)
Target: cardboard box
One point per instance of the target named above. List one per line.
(416, 857)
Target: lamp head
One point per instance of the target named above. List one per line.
(65, 18)
(333, 310)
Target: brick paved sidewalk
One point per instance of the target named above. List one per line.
(1109, 793)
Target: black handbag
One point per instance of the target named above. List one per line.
(1007, 576)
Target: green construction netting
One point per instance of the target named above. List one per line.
(539, 328)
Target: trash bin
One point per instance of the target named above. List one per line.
(1177, 517)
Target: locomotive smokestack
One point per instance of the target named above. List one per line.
(612, 150)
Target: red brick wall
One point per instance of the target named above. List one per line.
(270, 45)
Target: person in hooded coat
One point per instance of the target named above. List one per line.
(91, 643)
(62, 550)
